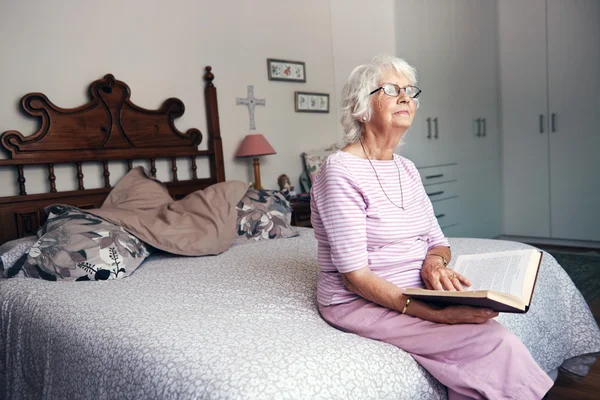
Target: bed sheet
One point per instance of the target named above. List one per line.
(241, 325)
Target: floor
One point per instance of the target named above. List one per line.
(589, 387)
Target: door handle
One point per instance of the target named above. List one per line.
(541, 123)
(484, 127)
(553, 122)
(428, 128)
(435, 123)
(478, 127)
(435, 193)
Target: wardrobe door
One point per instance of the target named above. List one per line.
(523, 86)
(477, 98)
(411, 45)
(425, 37)
(574, 102)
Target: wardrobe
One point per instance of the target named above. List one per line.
(454, 140)
(549, 70)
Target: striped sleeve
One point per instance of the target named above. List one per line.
(343, 214)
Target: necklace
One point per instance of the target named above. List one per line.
(380, 185)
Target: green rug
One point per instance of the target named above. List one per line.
(584, 270)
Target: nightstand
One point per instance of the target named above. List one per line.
(301, 213)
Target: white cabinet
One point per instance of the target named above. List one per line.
(550, 85)
(441, 185)
(453, 46)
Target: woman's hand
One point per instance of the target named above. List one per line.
(464, 315)
(437, 277)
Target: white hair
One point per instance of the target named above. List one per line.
(362, 81)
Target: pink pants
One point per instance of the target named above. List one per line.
(484, 361)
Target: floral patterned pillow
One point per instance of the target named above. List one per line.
(13, 250)
(313, 163)
(263, 214)
(75, 245)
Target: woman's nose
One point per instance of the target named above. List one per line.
(403, 97)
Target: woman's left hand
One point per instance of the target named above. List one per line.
(437, 277)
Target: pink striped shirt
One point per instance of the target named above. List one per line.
(356, 225)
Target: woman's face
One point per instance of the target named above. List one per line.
(395, 113)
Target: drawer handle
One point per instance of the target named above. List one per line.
(435, 193)
(434, 176)
(440, 215)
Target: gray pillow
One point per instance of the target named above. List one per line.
(12, 250)
(263, 214)
(76, 245)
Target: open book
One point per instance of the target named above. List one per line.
(502, 281)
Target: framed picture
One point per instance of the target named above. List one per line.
(283, 70)
(311, 102)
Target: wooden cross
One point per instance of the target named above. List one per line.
(251, 102)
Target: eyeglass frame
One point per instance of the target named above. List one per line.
(419, 91)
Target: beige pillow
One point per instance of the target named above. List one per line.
(202, 223)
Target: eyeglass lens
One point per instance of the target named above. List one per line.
(394, 90)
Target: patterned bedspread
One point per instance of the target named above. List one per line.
(241, 325)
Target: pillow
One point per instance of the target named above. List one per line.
(76, 245)
(304, 183)
(12, 250)
(263, 214)
(313, 162)
(201, 223)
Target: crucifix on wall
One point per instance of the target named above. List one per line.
(251, 102)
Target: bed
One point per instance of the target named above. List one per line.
(240, 325)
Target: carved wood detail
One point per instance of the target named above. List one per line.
(109, 127)
(21, 180)
(194, 168)
(79, 177)
(27, 223)
(153, 167)
(52, 178)
(174, 168)
(106, 175)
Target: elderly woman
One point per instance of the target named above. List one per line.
(377, 235)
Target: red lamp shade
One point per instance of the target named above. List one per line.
(254, 145)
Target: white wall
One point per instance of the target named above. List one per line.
(160, 48)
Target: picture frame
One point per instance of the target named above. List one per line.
(286, 70)
(311, 102)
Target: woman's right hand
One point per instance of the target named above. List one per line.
(464, 315)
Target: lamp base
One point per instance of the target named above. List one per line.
(257, 183)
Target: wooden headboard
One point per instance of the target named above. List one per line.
(108, 128)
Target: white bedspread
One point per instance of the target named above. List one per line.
(241, 325)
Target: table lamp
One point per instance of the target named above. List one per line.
(255, 145)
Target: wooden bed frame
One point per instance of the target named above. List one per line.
(108, 128)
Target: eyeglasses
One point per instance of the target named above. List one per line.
(394, 90)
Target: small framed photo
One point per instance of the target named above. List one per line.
(311, 102)
(283, 70)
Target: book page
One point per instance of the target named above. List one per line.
(501, 272)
